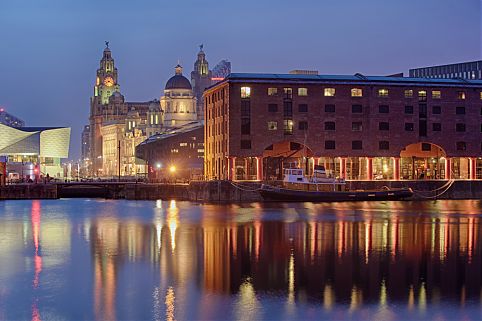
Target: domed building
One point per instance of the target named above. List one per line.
(178, 103)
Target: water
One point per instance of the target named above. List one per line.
(167, 260)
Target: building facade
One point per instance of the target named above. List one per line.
(358, 127)
(176, 153)
(32, 152)
(465, 70)
(108, 107)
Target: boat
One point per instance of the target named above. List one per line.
(297, 187)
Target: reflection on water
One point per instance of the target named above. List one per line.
(108, 260)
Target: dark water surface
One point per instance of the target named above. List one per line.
(106, 260)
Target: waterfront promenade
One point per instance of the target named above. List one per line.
(220, 191)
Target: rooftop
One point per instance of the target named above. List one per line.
(357, 78)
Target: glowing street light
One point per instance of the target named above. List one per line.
(172, 169)
(158, 165)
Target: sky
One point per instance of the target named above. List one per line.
(50, 49)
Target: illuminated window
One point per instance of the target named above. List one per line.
(174, 151)
(461, 95)
(245, 92)
(409, 93)
(183, 144)
(330, 92)
(356, 92)
(436, 94)
(481, 95)
(288, 126)
(272, 91)
(302, 91)
(422, 95)
(383, 92)
(288, 93)
(200, 150)
(272, 125)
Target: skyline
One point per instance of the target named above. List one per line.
(51, 67)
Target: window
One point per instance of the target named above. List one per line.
(409, 127)
(273, 108)
(272, 125)
(288, 109)
(480, 95)
(436, 110)
(460, 94)
(460, 110)
(436, 94)
(303, 108)
(331, 109)
(422, 95)
(409, 93)
(481, 128)
(436, 127)
(330, 125)
(245, 144)
(288, 93)
(288, 126)
(383, 126)
(426, 147)
(460, 127)
(356, 92)
(245, 126)
(302, 91)
(356, 145)
(245, 92)
(245, 108)
(383, 109)
(408, 109)
(383, 92)
(356, 109)
(182, 144)
(303, 125)
(383, 145)
(330, 92)
(272, 91)
(461, 146)
(329, 144)
(356, 126)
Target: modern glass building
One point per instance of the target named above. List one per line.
(33, 152)
(464, 70)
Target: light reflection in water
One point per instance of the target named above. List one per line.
(330, 256)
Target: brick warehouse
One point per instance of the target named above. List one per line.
(359, 127)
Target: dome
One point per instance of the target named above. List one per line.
(178, 81)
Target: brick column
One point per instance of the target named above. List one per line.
(448, 168)
(473, 167)
(342, 167)
(232, 168)
(369, 168)
(396, 168)
(259, 168)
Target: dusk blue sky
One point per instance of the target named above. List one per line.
(50, 49)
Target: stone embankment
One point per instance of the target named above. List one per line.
(223, 191)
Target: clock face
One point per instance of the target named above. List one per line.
(108, 81)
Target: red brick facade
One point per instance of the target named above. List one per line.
(379, 124)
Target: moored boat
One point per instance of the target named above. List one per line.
(320, 188)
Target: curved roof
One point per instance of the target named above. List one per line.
(178, 82)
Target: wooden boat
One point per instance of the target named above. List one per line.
(320, 188)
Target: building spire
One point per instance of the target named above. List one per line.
(107, 44)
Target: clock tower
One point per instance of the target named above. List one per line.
(106, 85)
